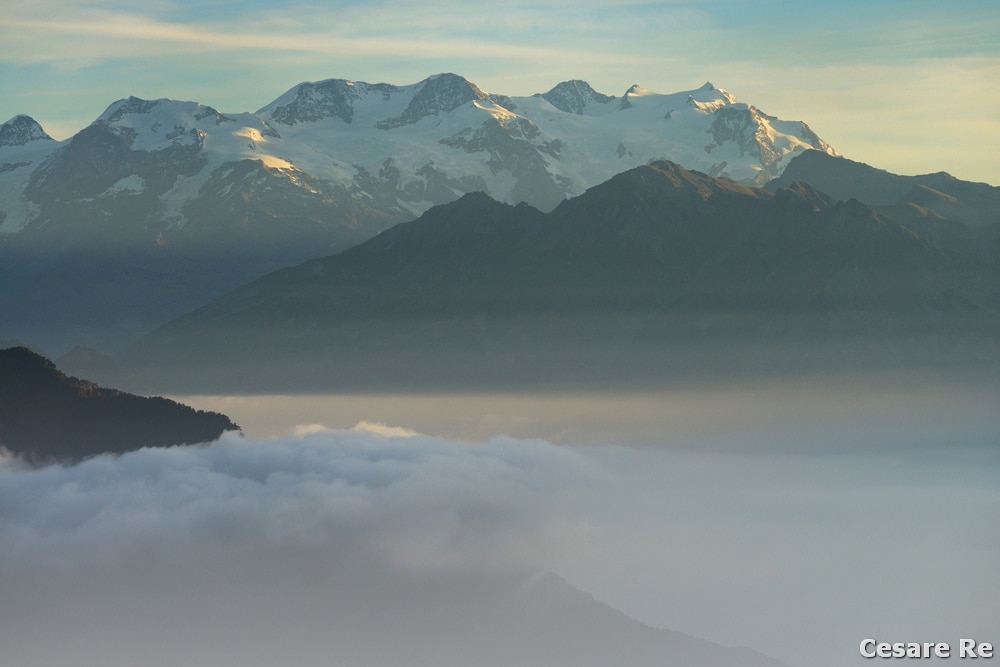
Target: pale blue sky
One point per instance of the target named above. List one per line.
(906, 85)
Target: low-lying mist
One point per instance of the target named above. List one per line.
(794, 520)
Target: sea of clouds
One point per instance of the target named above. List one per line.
(381, 545)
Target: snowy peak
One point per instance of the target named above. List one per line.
(334, 98)
(710, 99)
(435, 95)
(635, 90)
(21, 130)
(574, 97)
(164, 124)
(122, 108)
(385, 105)
(156, 124)
(119, 112)
(758, 135)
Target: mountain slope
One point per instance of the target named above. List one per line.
(940, 196)
(659, 274)
(46, 416)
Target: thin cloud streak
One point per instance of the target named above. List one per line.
(441, 29)
(315, 43)
(422, 32)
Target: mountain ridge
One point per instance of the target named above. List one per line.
(388, 107)
(944, 196)
(659, 275)
(47, 416)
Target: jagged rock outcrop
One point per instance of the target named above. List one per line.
(21, 130)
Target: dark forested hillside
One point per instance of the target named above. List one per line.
(46, 415)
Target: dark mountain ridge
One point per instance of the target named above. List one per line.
(902, 198)
(660, 274)
(46, 416)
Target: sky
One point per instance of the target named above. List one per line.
(905, 85)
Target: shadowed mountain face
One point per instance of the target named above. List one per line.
(46, 416)
(916, 201)
(101, 269)
(659, 274)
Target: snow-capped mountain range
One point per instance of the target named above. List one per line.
(378, 149)
(158, 206)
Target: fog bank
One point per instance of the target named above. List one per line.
(795, 523)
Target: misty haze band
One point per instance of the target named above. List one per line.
(967, 648)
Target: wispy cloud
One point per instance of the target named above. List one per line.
(400, 30)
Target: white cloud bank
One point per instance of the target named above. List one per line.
(381, 546)
(371, 546)
(367, 488)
